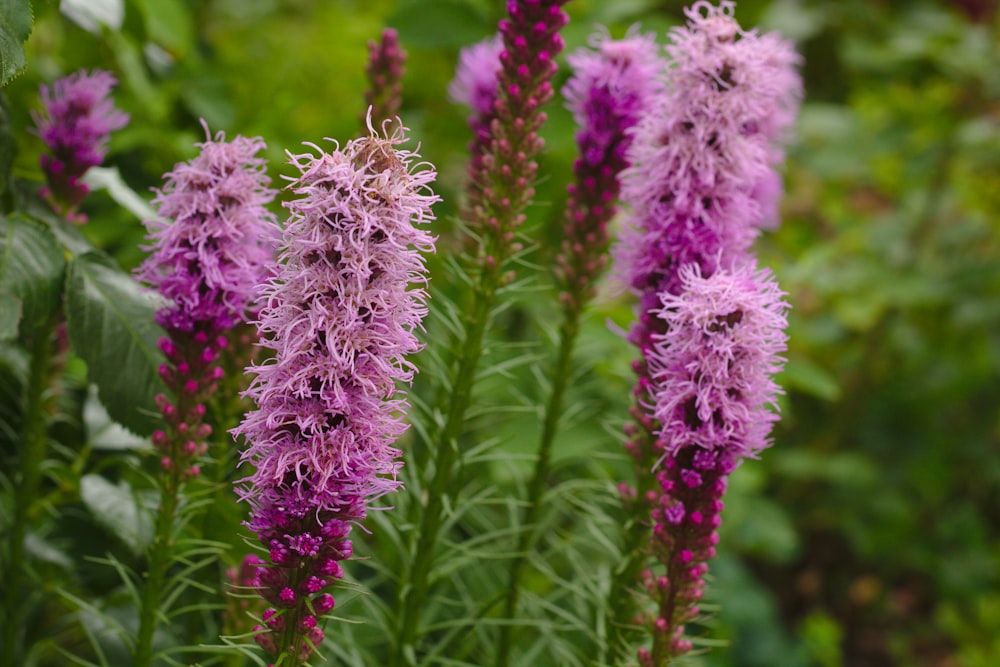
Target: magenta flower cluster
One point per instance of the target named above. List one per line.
(703, 178)
(77, 121)
(614, 84)
(215, 241)
(340, 316)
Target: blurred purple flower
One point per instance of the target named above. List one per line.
(216, 241)
(340, 316)
(475, 82)
(76, 123)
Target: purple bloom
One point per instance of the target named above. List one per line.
(713, 387)
(340, 315)
(216, 243)
(713, 369)
(78, 119)
(703, 181)
(386, 65)
(475, 82)
(613, 84)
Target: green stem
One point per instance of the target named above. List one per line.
(536, 487)
(160, 555)
(34, 444)
(413, 595)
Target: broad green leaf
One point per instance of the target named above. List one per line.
(448, 23)
(8, 144)
(110, 179)
(92, 15)
(103, 433)
(10, 316)
(809, 377)
(15, 26)
(119, 509)
(112, 327)
(168, 23)
(31, 269)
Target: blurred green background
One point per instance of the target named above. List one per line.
(869, 535)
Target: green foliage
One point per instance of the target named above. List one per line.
(112, 328)
(15, 26)
(31, 271)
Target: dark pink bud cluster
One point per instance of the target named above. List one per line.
(475, 86)
(386, 65)
(192, 374)
(78, 119)
(502, 187)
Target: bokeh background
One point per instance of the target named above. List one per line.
(869, 535)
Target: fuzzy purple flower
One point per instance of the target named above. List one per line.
(715, 397)
(614, 84)
(713, 369)
(78, 119)
(340, 316)
(703, 182)
(475, 82)
(215, 242)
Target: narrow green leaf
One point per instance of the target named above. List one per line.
(119, 509)
(31, 269)
(8, 144)
(168, 23)
(15, 26)
(112, 327)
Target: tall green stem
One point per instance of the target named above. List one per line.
(33, 454)
(160, 555)
(412, 597)
(553, 411)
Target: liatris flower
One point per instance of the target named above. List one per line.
(386, 64)
(613, 85)
(216, 240)
(703, 180)
(713, 376)
(78, 119)
(475, 86)
(502, 183)
(340, 316)
(213, 246)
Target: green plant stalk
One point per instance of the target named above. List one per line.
(637, 535)
(553, 412)
(413, 595)
(160, 555)
(35, 444)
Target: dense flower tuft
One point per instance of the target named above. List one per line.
(78, 119)
(713, 370)
(340, 316)
(215, 242)
(703, 180)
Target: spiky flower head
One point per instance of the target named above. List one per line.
(215, 241)
(77, 120)
(613, 85)
(714, 368)
(475, 82)
(703, 178)
(340, 316)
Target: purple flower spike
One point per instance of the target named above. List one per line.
(340, 316)
(713, 373)
(216, 243)
(78, 119)
(475, 82)
(703, 181)
(475, 86)
(713, 369)
(386, 65)
(613, 85)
